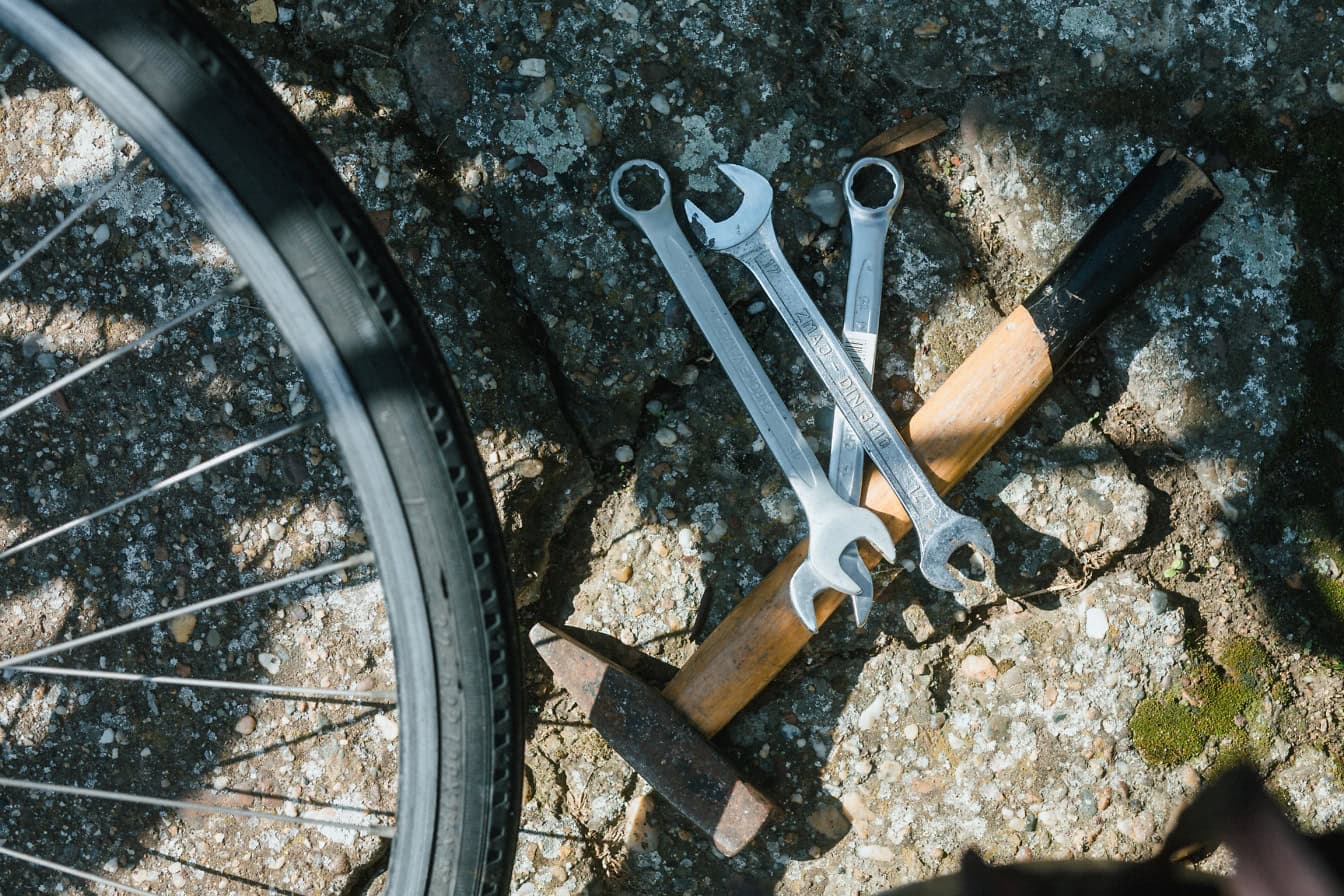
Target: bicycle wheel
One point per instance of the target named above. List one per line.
(218, 137)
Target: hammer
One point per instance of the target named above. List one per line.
(663, 734)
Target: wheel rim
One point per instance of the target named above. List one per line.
(346, 417)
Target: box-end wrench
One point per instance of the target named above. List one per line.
(749, 236)
(863, 304)
(833, 523)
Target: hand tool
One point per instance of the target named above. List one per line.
(633, 717)
(832, 522)
(749, 236)
(1162, 207)
(863, 303)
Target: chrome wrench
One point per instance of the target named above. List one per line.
(863, 302)
(749, 236)
(833, 523)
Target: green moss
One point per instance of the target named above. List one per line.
(1165, 731)
(1173, 728)
(1323, 542)
(1244, 658)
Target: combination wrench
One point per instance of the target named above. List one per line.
(749, 236)
(833, 523)
(863, 302)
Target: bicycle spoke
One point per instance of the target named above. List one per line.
(377, 830)
(232, 289)
(359, 559)
(73, 872)
(65, 223)
(274, 690)
(162, 484)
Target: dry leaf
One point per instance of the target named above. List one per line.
(904, 135)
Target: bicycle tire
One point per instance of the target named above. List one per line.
(160, 71)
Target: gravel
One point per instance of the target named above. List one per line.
(632, 487)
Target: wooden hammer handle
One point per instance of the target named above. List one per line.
(1160, 209)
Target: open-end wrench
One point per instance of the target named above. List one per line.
(833, 523)
(749, 236)
(863, 302)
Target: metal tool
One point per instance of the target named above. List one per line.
(833, 523)
(656, 739)
(749, 236)
(970, 412)
(863, 303)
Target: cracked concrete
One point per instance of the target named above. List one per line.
(1173, 492)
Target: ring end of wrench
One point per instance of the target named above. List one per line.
(626, 208)
(858, 207)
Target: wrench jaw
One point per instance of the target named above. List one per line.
(833, 561)
(803, 590)
(937, 549)
(757, 199)
(852, 563)
(807, 585)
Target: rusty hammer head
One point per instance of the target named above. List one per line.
(658, 741)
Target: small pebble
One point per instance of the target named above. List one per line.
(660, 104)
(627, 13)
(665, 437)
(246, 725)
(181, 627)
(262, 12)
(826, 202)
(623, 574)
(969, 184)
(876, 853)
(829, 822)
(532, 68)
(639, 834)
(1335, 89)
(387, 727)
(108, 736)
(869, 717)
(979, 668)
(269, 661)
(275, 530)
(101, 234)
(911, 732)
(1097, 624)
(588, 124)
(1158, 600)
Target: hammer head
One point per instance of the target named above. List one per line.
(757, 198)
(658, 741)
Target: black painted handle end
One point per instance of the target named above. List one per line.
(1163, 207)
